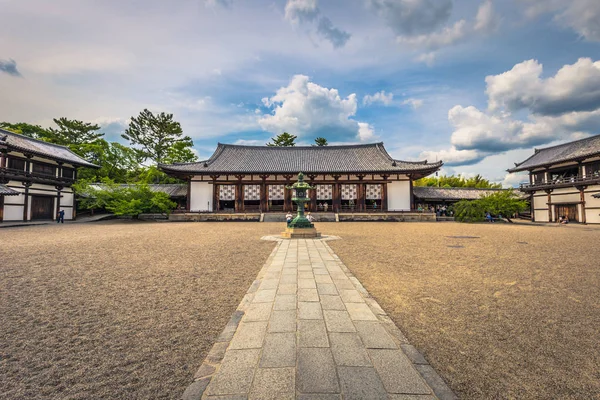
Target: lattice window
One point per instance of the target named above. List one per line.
(374, 192)
(324, 192)
(276, 192)
(251, 192)
(226, 192)
(349, 192)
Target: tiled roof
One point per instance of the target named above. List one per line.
(40, 148)
(564, 152)
(440, 193)
(364, 158)
(6, 191)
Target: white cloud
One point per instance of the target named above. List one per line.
(305, 108)
(297, 11)
(514, 180)
(250, 142)
(575, 87)
(453, 157)
(414, 103)
(486, 20)
(413, 17)
(379, 97)
(436, 40)
(427, 58)
(307, 11)
(215, 3)
(565, 106)
(365, 132)
(583, 16)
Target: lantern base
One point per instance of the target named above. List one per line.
(300, 233)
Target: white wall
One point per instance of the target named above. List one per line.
(201, 196)
(540, 204)
(398, 196)
(592, 216)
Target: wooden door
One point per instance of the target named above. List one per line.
(567, 210)
(42, 207)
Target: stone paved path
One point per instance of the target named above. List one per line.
(307, 329)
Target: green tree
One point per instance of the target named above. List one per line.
(117, 162)
(320, 141)
(32, 131)
(131, 200)
(457, 181)
(502, 202)
(283, 140)
(180, 152)
(156, 135)
(74, 133)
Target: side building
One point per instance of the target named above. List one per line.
(564, 180)
(36, 178)
(351, 178)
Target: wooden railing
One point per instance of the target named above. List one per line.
(20, 175)
(568, 181)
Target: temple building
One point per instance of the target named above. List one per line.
(564, 181)
(36, 178)
(351, 178)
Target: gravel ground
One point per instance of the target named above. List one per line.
(513, 312)
(118, 310)
(129, 310)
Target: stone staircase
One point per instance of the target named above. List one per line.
(280, 217)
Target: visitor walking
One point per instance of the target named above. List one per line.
(310, 218)
(288, 218)
(489, 217)
(60, 217)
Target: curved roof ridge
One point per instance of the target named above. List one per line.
(20, 135)
(565, 144)
(333, 146)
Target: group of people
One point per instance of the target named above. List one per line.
(323, 206)
(440, 210)
(289, 217)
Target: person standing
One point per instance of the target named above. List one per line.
(61, 217)
(288, 218)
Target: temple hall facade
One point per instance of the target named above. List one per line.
(36, 178)
(350, 178)
(564, 180)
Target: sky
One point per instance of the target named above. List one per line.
(477, 84)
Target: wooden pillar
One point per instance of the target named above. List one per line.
(264, 201)
(384, 194)
(58, 190)
(412, 193)
(337, 194)
(26, 200)
(287, 194)
(312, 206)
(361, 194)
(549, 205)
(3, 158)
(582, 199)
(189, 195)
(239, 194)
(1, 208)
(216, 193)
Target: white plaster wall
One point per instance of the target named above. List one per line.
(13, 213)
(398, 193)
(541, 202)
(592, 216)
(201, 196)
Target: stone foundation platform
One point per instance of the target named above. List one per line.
(300, 233)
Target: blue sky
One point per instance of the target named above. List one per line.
(477, 84)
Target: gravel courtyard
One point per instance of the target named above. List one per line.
(129, 310)
(513, 312)
(117, 310)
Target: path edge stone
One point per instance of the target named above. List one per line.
(213, 359)
(439, 386)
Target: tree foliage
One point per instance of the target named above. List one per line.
(320, 141)
(477, 181)
(23, 128)
(159, 137)
(131, 200)
(503, 203)
(283, 140)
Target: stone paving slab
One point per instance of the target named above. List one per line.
(307, 329)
